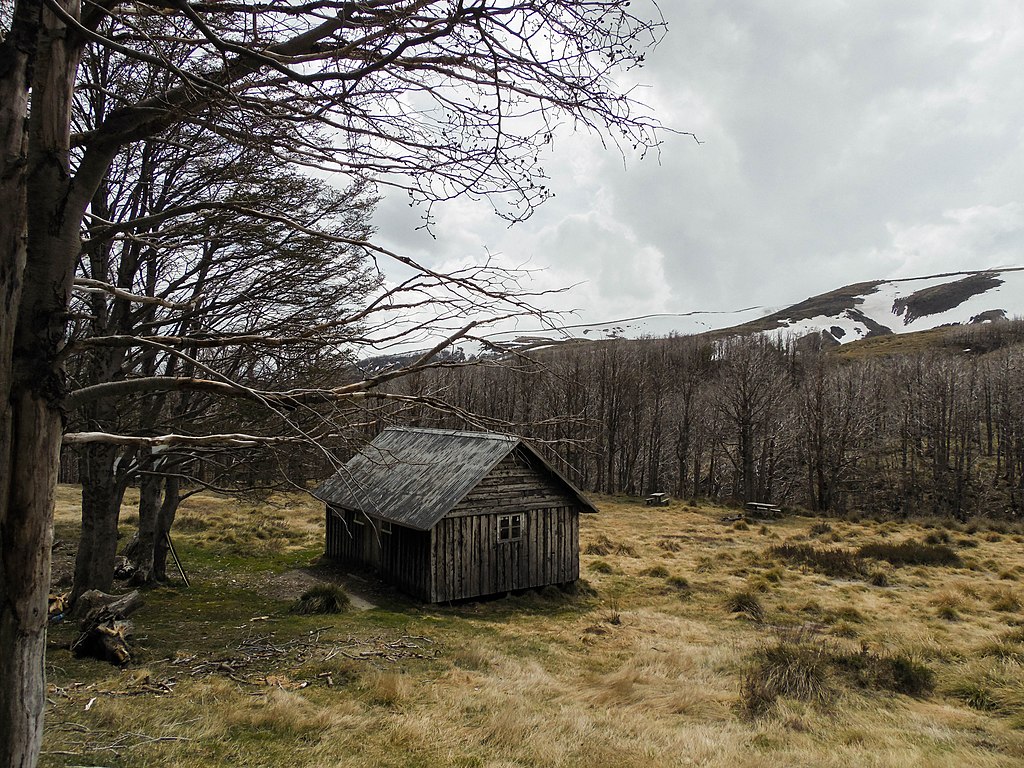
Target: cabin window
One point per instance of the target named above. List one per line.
(510, 527)
(385, 526)
(357, 518)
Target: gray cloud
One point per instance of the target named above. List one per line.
(842, 141)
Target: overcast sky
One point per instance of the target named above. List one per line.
(841, 141)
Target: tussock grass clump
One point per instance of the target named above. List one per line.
(473, 658)
(992, 686)
(878, 578)
(670, 544)
(1004, 650)
(948, 605)
(323, 598)
(975, 695)
(911, 553)
(656, 571)
(192, 524)
(1015, 635)
(581, 588)
(679, 584)
(793, 667)
(1005, 600)
(831, 561)
(820, 529)
(800, 666)
(387, 689)
(745, 602)
(899, 673)
(605, 546)
(600, 566)
(937, 537)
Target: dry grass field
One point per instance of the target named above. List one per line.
(697, 642)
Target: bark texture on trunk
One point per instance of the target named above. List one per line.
(156, 516)
(38, 248)
(101, 506)
(145, 544)
(168, 510)
(26, 537)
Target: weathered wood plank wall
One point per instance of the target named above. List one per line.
(469, 561)
(401, 557)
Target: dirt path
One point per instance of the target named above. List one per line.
(290, 585)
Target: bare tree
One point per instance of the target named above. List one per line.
(751, 387)
(438, 97)
(834, 413)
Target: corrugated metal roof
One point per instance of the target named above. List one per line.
(413, 477)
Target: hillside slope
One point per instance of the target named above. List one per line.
(883, 307)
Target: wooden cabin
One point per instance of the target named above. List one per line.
(446, 515)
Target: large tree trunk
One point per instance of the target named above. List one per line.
(165, 519)
(149, 513)
(24, 542)
(156, 516)
(32, 447)
(101, 506)
(40, 253)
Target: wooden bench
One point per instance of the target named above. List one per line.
(657, 500)
(762, 510)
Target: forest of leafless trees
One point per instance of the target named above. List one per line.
(759, 419)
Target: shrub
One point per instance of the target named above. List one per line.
(911, 553)
(745, 602)
(834, 562)
(323, 598)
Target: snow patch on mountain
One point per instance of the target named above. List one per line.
(918, 304)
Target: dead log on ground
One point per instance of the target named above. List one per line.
(105, 628)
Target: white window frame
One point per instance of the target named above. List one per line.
(385, 526)
(516, 521)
